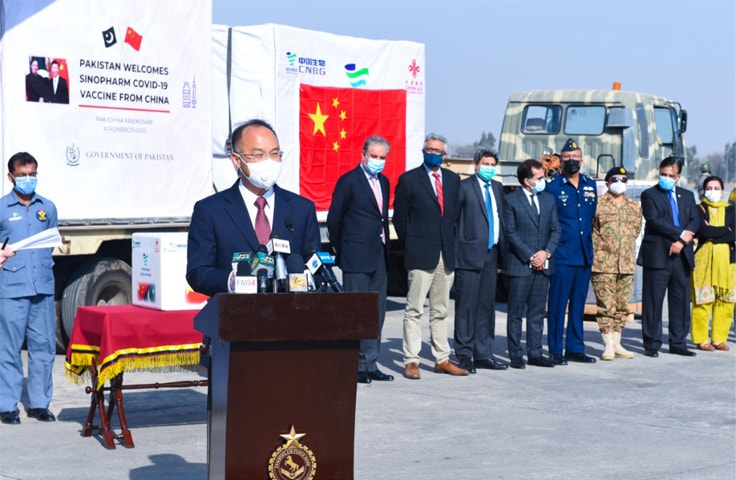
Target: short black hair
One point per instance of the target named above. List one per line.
(483, 152)
(672, 160)
(525, 169)
(21, 158)
(238, 132)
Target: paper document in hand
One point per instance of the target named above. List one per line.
(48, 238)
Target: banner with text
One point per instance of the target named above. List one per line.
(113, 100)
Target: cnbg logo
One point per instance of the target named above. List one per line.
(305, 65)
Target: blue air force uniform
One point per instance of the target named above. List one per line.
(573, 261)
(26, 304)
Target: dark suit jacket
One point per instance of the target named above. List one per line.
(527, 232)
(472, 224)
(422, 230)
(355, 224)
(660, 231)
(62, 91)
(37, 87)
(220, 226)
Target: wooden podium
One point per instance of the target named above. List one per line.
(283, 360)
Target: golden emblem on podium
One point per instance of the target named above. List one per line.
(292, 461)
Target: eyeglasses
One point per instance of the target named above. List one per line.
(258, 156)
(619, 180)
(436, 151)
(32, 175)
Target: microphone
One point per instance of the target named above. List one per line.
(239, 257)
(322, 262)
(262, 280)
(244, 281)
(295, 268)
(277, 248)
(261, 260)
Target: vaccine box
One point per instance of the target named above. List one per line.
(159, 269)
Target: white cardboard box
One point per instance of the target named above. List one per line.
(159, 269)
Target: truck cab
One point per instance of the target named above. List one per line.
(613, 127)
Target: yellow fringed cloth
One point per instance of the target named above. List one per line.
(714, 277)
(125, 338)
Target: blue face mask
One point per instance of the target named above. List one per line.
(375, 166)
(539, 185)
(666, 183)
(432, 159)
(25, 185)
(487, 172)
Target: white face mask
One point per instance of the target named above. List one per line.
(263, 174)
(713, 196)
(618, 188)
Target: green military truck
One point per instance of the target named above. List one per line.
(613, 127)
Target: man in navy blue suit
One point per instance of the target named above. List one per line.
(244, 216)
(479, 248)
(358, 225)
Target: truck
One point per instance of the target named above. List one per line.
(613, 128)
(144, 133)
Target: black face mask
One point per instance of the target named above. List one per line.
(571, 166)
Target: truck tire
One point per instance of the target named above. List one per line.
(98, 281)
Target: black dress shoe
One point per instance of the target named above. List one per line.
(541, 362)
(490, 364)
(682, 351)
(651, 353)
(518, 363)
(466, 364)
(42, 414)
(579, 357)
(379, 376)
(364, 377)
(10, 418)
(558, 359)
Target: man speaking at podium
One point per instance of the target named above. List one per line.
(245, 216)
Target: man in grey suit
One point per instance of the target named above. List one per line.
(532, 233)
(479, 245)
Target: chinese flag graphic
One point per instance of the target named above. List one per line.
(334, 123)
(133, 39)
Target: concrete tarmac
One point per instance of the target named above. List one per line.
(646, 418)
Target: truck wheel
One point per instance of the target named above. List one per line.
(105, 281)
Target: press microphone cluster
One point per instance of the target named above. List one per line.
(273, 268)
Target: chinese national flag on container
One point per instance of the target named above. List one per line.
(334, 123)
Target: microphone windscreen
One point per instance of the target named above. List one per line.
(295, 263)
(244, 269)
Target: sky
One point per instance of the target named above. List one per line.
(478, 52)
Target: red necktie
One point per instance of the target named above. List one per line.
(440, 193)
(263, 229)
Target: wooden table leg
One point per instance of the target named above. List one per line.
(97, 403)
(116, 400)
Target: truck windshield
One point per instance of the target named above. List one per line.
(585, 119)
(665, 121)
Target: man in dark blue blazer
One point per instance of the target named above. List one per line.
(243, 217)
(425, 211)
(532, 233)
(479, 245)
(666, 254)
(358, 226)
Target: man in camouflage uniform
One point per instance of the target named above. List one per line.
(616, 226)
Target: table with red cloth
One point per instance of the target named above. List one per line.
(109, 340)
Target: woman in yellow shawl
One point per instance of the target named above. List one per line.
(714, 277)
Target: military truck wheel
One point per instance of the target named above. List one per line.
(103, 281)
